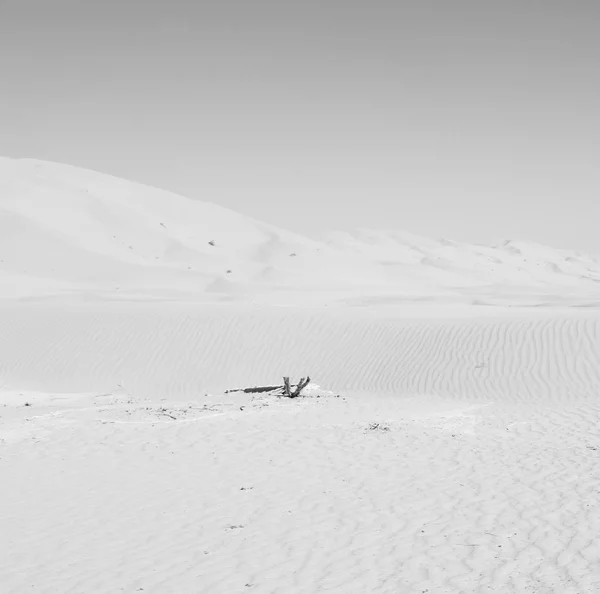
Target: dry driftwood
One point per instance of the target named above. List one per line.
(301, 385)
(255, 390)
(285, 390)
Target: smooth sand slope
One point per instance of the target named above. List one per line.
(448, 448)
(70, 232)
(77, 232)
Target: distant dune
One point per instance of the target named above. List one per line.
(450, 263)
(71, 232)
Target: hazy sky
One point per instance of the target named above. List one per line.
(472, 120)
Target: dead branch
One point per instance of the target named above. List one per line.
(301, 385)
(285, 390)
(255, 390)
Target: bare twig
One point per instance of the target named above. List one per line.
(301, 385)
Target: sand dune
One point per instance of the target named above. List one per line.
(175, 351)
(488, 486)
(450, 263)
(442, 455)
(75, 232)
(99, 234)
(448, 446)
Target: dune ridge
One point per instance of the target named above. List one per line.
(68, 231)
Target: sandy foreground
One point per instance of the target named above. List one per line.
(439, 455)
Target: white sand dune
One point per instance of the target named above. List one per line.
(459, 457)
(453, 264)
(452, 448)
(69, 231)
(98, 234)
(185, 351)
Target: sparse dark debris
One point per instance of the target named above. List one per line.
(166, 413)
(375, 426)
(212, 242)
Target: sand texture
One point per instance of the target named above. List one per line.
(448, 443)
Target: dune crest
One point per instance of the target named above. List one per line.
(69, 231)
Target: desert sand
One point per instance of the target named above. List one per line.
(448, 442)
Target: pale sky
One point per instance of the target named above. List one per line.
(474, 120)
